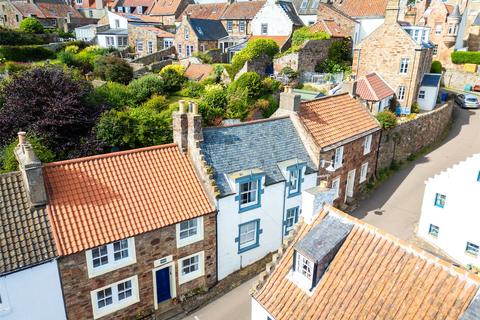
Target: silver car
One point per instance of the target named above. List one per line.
(468, 101)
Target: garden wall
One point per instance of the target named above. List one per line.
(457, 79)
(411, 137)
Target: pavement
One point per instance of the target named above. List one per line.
(394, 206)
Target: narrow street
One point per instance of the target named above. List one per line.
(394, 206)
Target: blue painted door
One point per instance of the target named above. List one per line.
(163, 284)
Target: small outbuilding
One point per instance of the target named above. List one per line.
(428, 91)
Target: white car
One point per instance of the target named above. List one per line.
(468, 101)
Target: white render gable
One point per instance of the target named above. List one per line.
(450, 218)
(272, 19)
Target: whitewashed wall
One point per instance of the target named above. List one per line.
(308, 19)
(279, 24)
(113, 16)
(33, 293)
(369, 25)
(459, 220)
(431, 94)
(85, 34)
(274, 203)
(258, 312)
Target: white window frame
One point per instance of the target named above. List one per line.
(241, 26)
(338, 158)
(367, 144)
(79, 2)
(421, 94)
(336, 187)
(435, 49)
(300, 262)
(191, 239)
(438, 29)
(430, 233)
(401, 93)
(404, 62)
(472, 252)
(139, 45)
(4, 301)
(254, 241)
(179, 47)
(304, 4)
(117, 304)
(117, 23)
(122, 41)
(112, 264)
(293, 180)
(363, 172)
(193, 275)
(189, 51)
(149, 47)
(229, 25)
(186, 33)
(250, 190)
(167, 43)
(110, 41)
(139, 10)
(264, 26)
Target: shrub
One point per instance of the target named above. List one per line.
(26, 53)
(157, 103)
(303, 34)
(254, 48)
(14, 67)
(289, 72)
(267, 109)
(270, 85)
(213, 104)
(9, 163)
(72, 49)
(115, 95)
(436, 67)
(31, 25)
(415, 108)
(192, 89)
(387, 119)
(112, 68)
(238, 106)
(173, 77)
(250, 81)
(145, 87)
(461, 57)
(203, 56)
(17, 38)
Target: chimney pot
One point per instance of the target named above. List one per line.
(194, 108)
(22, 140)
(181, 106)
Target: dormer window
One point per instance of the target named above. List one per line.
(452, 29)
(294, 181)
(304, 266)
(139, 10)
(249, 190)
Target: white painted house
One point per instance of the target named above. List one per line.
(449, 218)
(428, 91)
(117, 35)
(29, 278)
(276, 18)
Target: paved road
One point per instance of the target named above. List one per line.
(235, 305)
(395, 206)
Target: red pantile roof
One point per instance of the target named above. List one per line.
(362, 8)
(209, 11)
(165, 7)
(373, 276)
(100, 199)
(243, 10)
(131, 17)
(198, 72)
(330, 27)
(137, 3)
(372, 87)
(160, 32)
(333, 119)
(57, 9)
(449, 8)
(27, 9)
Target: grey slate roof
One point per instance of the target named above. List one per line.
(473, 310)
(208, 29)
(119, 32)
(25, 235)
(431, 80)
(310, 8)
(476, 22)
(323, 238)
(289, 9)
(256, 144)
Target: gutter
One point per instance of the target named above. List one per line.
(343, 142)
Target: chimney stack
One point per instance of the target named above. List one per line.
(289, 101)
(31, 169)
(195, 130)
(391, 12)
(314, 198)
(180, 127)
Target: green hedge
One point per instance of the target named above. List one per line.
(26, 53)
(461, 57)
(17, 38)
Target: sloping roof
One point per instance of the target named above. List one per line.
(308, 95)
(25, 236)
(372, 87)
(291, 12)
(329, 7)
(476, 22)
(100, 199)
(140, 18)
(198, 72)
(362, 8)
(308, 7)
(333, 119)
(242, 10)
(165, 7)
(27, 9)
(210, 11)
(208, 29)
(256, 144)
(431, 80)
(330, 27)
(57, 9)
(160, 32)
(449, 8)
(136, 3)
(280, 40)
(373, 276)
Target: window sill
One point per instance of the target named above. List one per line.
(253, 246)
(362, 180)
(114, 308)
(188, 241)
(189, 277)
(251, 207)
(473, 255)
(294, 194)
(92, 273)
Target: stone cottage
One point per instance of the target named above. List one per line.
(145, 39)
(401, 55)
(134, 230)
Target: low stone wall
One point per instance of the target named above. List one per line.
(411, 137)
(457, 79)
(161, 55)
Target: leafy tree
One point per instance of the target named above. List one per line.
(436, 67)
(111, 68)
(270, 85)
(173, 77)
(339, 58)
(387, 119)
(213, 104)
(254, 48)
(47, 102)
(238, 106)
(9, 163)
(31, 25)
(157, 103)
(192, 89)
(250, 81)
(114, 94)
(145, 87)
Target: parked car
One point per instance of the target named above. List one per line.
(467, 101)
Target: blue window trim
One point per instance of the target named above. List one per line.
(478, 176)
(257, 240)
(298, 167)
(297, 211)
(253, 177)
(437, 198)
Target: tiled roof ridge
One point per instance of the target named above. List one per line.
(247, 123)
(370, 86)
(330, 6)
(470, 277)
(109, 155)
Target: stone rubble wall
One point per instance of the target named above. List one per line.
(411, 137)
(457, 79)
(161, 55)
